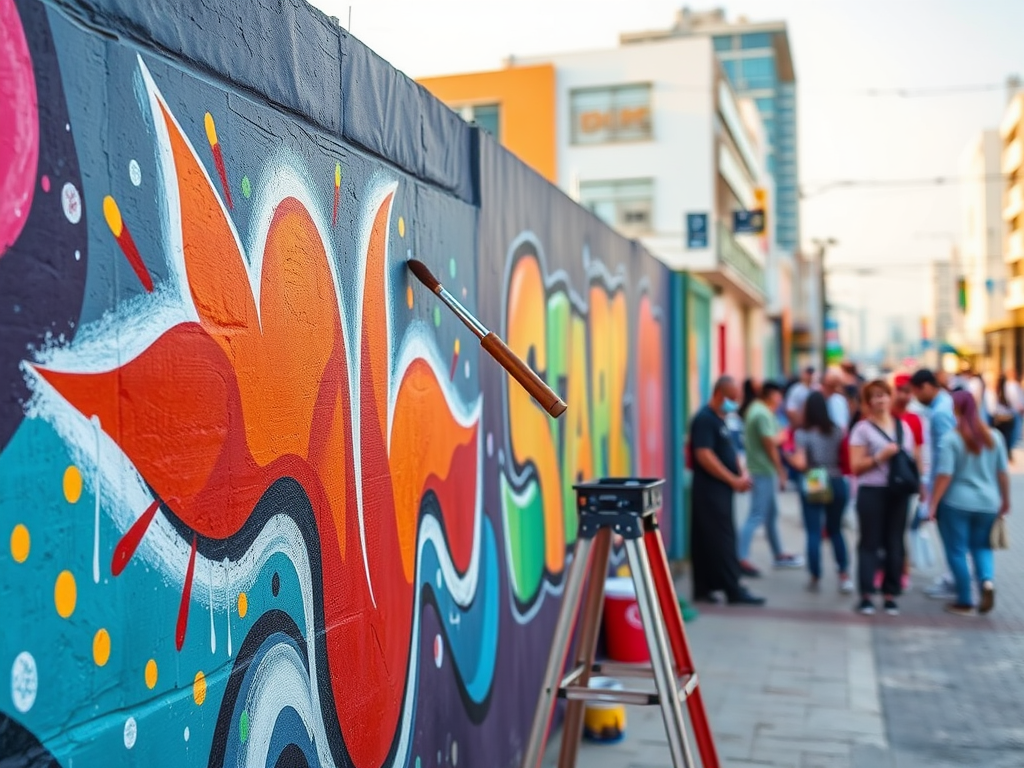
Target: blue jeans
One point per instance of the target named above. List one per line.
(764, 510)
(832, 516)
(965, 532)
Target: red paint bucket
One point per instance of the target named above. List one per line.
(623, 631)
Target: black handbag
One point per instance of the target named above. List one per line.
(904, 478)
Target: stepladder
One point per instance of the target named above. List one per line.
(611, 508)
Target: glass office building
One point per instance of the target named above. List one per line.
(752, 64)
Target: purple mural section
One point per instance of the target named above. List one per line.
(264, 502)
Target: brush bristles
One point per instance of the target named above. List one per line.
(423, 274)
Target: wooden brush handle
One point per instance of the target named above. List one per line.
(524, 374)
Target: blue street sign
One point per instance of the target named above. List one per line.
(696, 230)
(748, 222)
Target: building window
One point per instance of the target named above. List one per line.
(732, 69)
(723, 43)
(756, 40)
(487, 116)
(616, 113)
(759, 72)
(765, 106)
(626, 204)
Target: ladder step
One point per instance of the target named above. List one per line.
(685, 686)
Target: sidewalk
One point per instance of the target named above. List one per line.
(805, 682)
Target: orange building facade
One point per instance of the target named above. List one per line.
(515, 103)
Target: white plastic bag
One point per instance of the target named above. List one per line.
(922, 547)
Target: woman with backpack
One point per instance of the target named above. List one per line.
(882, 459)
(823, 489)
(972, 489)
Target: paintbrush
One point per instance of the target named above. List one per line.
(493, 345)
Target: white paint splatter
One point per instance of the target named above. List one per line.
(490, 444)
(135, 172)
(213, 629)
(455, 753)
(78, 255)
(24, 682)
(71, 202)
(438, 651)
(466, 368)
(96, 492)
(187, 734)
(230, 602)
(131, 732)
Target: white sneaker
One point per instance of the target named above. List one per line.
(941, 589)
(846, 585)
(789, 561)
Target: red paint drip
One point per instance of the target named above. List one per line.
(186, 597)
(131, 252)
(455, 363)
(130, 541)
(337, 197)
(218, 160)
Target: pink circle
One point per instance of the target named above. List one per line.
(19, 131)
(45, 183)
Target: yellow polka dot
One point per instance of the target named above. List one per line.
(151, 674)
(243, 604)
(101, 647)
(401, 227)
(199, 688)
(21, 542)
(72, 484)
(65, 594)
(408, 296)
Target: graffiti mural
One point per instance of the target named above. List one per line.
(264, 502)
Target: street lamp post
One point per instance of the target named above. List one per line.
(822, 244)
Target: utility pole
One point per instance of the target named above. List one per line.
(822, 244)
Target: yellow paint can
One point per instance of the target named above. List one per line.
(604, 721)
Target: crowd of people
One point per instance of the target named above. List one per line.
(910, 451)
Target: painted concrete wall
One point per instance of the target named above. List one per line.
(263, 500)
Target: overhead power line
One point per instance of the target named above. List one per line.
(820, 187)
(942, 90)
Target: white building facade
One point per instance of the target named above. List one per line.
(652, 138)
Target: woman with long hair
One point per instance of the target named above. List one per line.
(1002, 412)
(751, 391)
(972, 488)
(881, 509)
(823, 489)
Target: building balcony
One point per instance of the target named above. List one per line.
(743, 269)
(1014, 202)
(1015, 246)
(1015, 293)
(1013, 153)
(1011, 118)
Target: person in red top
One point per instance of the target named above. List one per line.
(900, 400)
(901, 397)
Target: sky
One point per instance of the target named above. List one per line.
(841, 49)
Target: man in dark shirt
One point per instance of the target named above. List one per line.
(716, 476)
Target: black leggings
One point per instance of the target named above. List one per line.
(883, 521)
